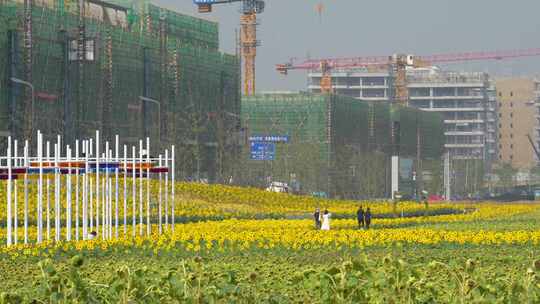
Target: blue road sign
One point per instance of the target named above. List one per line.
(263, 150)
(270, 138)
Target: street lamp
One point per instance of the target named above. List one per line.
(146, 99)
(28, 84)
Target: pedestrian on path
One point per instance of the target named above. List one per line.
(317, 218)
(360, 217)
(367, 218)
(326, 220)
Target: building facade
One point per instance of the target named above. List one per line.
(466, 100)
(518, 122)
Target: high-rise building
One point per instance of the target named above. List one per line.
(466, 100)
(518, 121)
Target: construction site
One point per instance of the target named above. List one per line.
(137, 70)
(130, 69)
(340, 146)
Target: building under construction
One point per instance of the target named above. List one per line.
(122, 67)
(339, 145)
(465, 100)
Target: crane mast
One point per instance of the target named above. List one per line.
(248, 35)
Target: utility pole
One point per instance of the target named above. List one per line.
(447, 177)
(418, 182)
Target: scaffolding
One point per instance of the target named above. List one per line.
(125, 68)
(337, 144)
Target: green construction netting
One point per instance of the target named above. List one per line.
(171, 58)
(337, 144)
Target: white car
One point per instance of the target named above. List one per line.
(278, 187)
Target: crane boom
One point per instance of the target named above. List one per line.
(396, 64)
(359, 62)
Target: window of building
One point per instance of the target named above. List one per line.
(444, 92)
(500, 135)
(500, 126)
(511, 126)
(511, 104)
(511, 94)
(500, 94)
(511, 135)
(511, 157)
(89, 48)
(422, 92)
(500, 114)
(354, 81)
(373, 81)
(500, 104)
(500, 146)
(511, 114)
(373, 93)
(424, 104)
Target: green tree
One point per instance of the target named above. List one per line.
(506, 173)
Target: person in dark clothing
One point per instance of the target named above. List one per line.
(367, 218)
(92, 235)
(360, 217)
(317, 217)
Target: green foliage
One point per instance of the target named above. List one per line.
(284, 278)
(506, 173)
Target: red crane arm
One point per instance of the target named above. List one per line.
(356, 62)
(470, 56)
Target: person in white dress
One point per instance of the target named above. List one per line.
(326, 220)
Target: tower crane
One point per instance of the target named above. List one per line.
(248, 35)
(397, 65)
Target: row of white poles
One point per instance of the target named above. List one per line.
(96, 190)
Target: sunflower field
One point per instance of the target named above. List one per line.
(241, 245)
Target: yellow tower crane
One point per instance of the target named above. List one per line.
(248, 35)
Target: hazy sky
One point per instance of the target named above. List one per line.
(292, 28)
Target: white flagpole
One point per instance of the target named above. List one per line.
(48, 216)
(109, 195)
(167, 190)
(91, 188)
(40, 189)
(77, 189)
(85, 192)
(102, 199)
(159, 198)
(105, 198)
(105, 205)
(148, 226)
(97, 182)
(172, 187)
(134, 191)
(116, 188)
(110, 216)
(26, 165)
(9, 225)
(56, 193)
(125, 190)
(15, 198)
(141, 222)
(68, 194)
